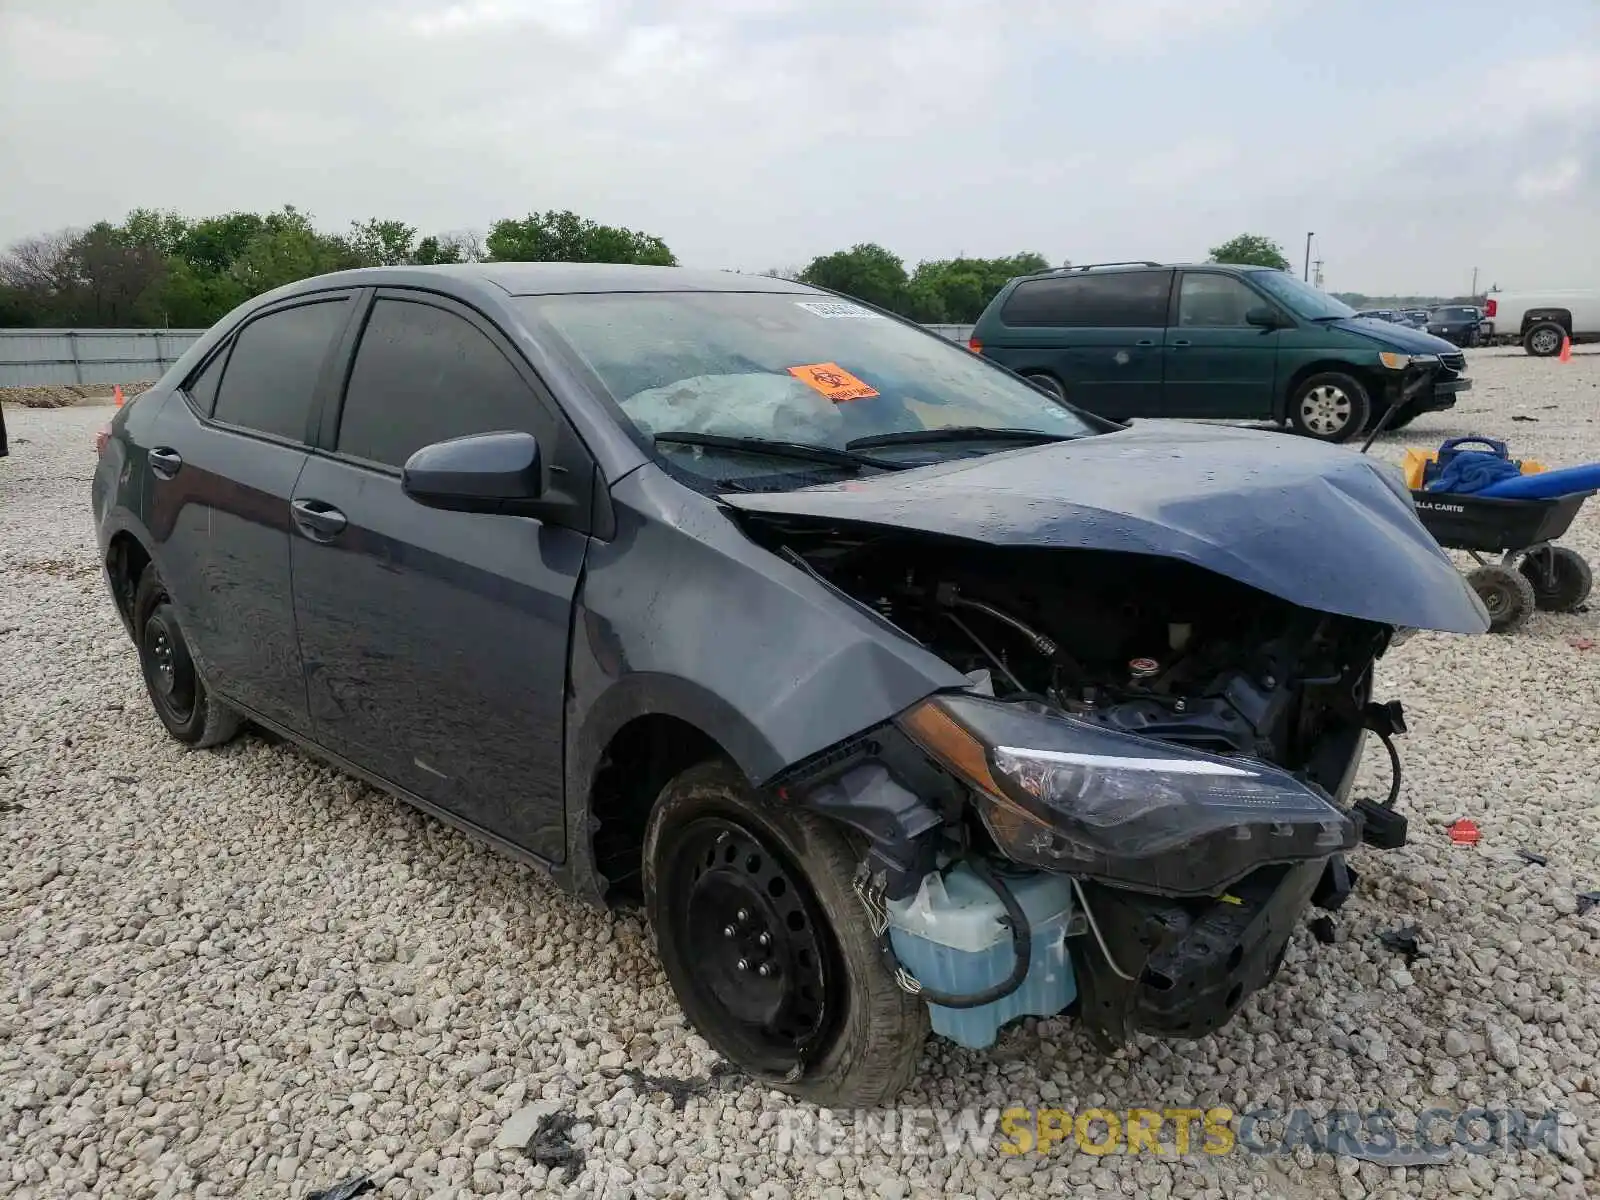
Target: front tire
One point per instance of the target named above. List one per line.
(1330, 407)
(1544, 339)
(1507, 595)
(768, 948)
(191, 714)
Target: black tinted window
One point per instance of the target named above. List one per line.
(271, 376)
(423, 375)
(1096, 301)
(203, 387)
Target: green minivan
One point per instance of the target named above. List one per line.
(1218, 341)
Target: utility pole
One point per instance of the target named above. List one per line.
(1316, 277)
(1306, 275)
(1474, 292)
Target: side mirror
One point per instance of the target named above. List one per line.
(1263, 317)
(483, 473)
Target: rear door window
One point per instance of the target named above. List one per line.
(202, 388)
(423, 375)
(270, 381)
(1110, 300)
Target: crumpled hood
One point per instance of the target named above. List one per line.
(1394, 336)
(1318, 526)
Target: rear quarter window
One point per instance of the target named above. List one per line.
(1111, 300)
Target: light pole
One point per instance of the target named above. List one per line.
(1306, 274)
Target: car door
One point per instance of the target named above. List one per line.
(1217, 364)
(1098, 332)
(435, 643)
(222, 469)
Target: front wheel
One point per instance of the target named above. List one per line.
(1330, 407)
(1506, 594)
(1046, 382)
(767, 946)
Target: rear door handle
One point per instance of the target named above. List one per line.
(1145, 342)
(318, 521)
(165, 461)
(1182, 342)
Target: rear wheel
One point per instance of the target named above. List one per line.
(767, 946)
(1506, 594)
(1544, 339)
(1047, 382)
(191, 714)
(1330, 406)
(1561, 578)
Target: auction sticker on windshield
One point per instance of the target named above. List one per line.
(833, 381)
(838, 309)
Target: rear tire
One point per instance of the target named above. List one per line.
(724, 868)
(1506, 593)
(1561, 578)
(191, 714)
(1544, 339)
(1330, 407)
(1047, 382)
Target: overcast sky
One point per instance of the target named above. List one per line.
(1417, 139)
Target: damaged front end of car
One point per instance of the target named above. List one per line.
(1127, 810)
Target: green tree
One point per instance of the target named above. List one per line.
(959, 289)
(866, 271)
(1250, 250)
(382, 243)
(566, 237)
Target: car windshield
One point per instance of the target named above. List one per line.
(1455, 314)
(786, 367)
(1300, 298)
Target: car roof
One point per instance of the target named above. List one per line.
(554, 278)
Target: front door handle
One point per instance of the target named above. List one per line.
(165, 461)
(1182, 342)
(1145, 342)
(318, 521)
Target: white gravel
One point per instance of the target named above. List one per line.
(239, 973)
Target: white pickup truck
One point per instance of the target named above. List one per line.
(1541, 319)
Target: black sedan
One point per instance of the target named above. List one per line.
(895, 689)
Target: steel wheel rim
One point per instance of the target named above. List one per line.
(172, 682)
(1545, 341)
(1325, 409)
(764, 961)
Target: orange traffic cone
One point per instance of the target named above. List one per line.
(116, 394)
(1566, 348)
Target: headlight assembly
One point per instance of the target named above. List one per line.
(1399, 362)
(1064, 795)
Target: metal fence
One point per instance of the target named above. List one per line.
(40, 357)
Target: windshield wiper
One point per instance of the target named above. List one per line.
(956, 433)
(776, 448)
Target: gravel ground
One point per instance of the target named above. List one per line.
(240, 973)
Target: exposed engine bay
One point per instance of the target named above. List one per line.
(1134, 645)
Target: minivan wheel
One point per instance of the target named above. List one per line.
(191, 714)
(1046, 381)
(1330, 406)
(767, 946)
(1544, 340)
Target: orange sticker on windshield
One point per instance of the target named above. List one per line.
(833, 381)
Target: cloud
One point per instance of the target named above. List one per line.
(1558, 179)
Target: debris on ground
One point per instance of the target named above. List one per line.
(1465, 833)
(1322, 929)
(680, 1091)
(521, 1125)
(346, 1189)
(1586, 901)
(1403, 941)
(1581, 643)
(550, 1145)
(1520, 417)
(1528, 856)
(1406, 1156)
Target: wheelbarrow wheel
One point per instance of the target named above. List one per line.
(1560, 578)
(1506, 593)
